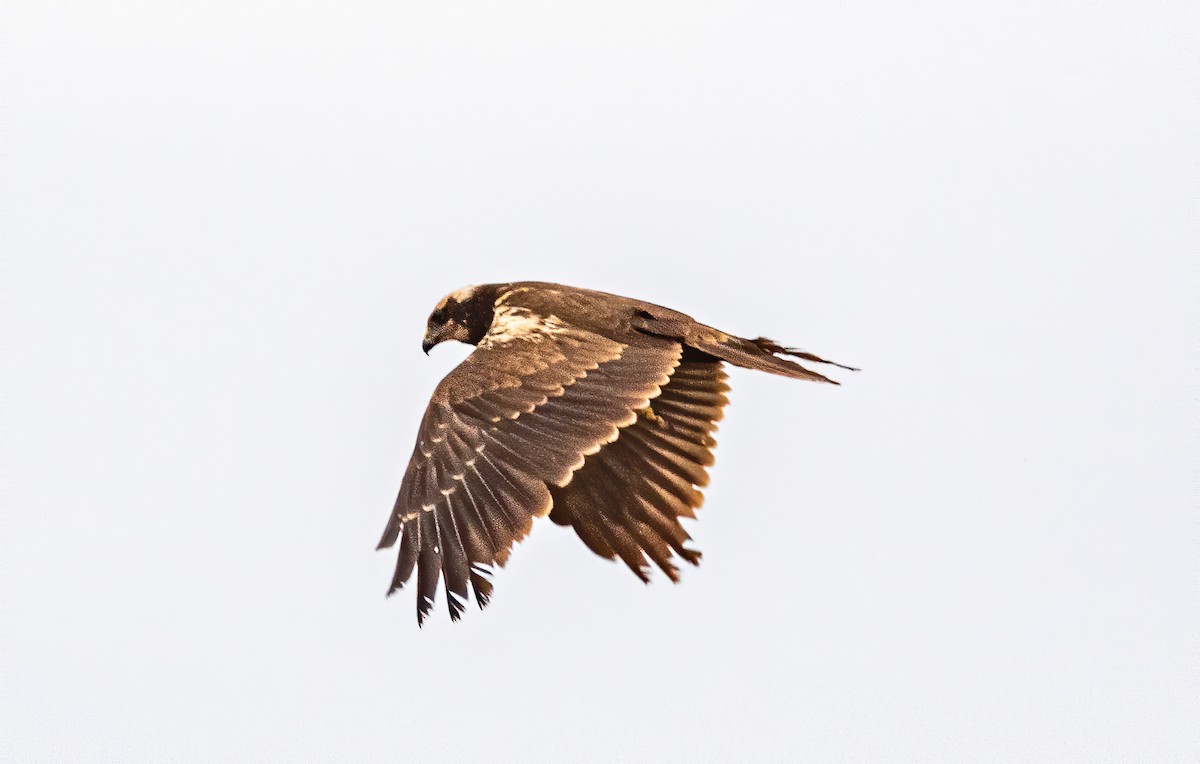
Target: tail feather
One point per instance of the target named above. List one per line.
(774, 347)
(760, 353)
(750, 355)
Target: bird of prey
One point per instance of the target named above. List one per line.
(595, 409)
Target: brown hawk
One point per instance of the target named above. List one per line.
(594, 409)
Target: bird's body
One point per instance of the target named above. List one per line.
(595, 409)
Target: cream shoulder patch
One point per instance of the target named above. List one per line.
(513, 323)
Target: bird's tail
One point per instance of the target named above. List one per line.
(764, 355)
(760, 353)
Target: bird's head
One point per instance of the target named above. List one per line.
(464, 315)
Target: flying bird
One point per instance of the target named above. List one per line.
(595, 409)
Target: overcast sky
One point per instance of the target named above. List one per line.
(224, 226)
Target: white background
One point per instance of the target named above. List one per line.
(225, 224)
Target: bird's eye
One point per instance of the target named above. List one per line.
(438, 316)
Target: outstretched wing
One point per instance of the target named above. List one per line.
(520, 414)
(628, 497)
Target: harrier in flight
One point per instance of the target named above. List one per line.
(594, 409)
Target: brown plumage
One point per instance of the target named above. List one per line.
(594, 409)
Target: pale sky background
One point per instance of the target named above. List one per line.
(225, 224)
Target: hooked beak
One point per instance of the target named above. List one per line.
(427, 343)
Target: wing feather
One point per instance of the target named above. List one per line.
(429, 563)
(635, 489)
(456, 569)
(616, 534)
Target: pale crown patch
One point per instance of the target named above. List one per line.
(458, 295)
(465, 294)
